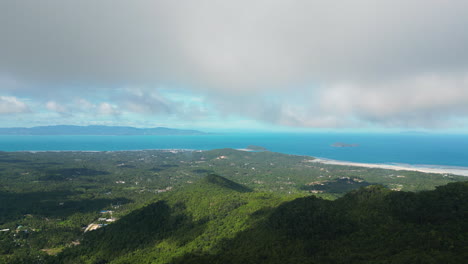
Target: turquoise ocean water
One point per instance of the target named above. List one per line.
(415, 149)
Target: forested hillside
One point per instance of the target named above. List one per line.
(214, 222)
(194, 219)
(173, 205)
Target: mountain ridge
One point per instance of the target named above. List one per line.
(96, 130)
(219, 228)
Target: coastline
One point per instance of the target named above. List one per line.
(461, 171)
(438, 169)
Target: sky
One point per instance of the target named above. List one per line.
(296, 65)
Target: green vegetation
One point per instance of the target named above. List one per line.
(256, 148)
(222, 206)
(213, 223)
(370, 225)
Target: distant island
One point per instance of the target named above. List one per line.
(344, 145)
(96, 130)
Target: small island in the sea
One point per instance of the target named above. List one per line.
(344, 145)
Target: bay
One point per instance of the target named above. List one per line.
(424, 149)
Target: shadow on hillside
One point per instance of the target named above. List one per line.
(274, 239)
(370, 225)
(12, 160)
(49, 204)
(202, 171)
(223, 182)
(47, 163)
(169, 166)
(162, 167)
(141, 228)
(70, 173)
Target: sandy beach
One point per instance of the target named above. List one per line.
(245, 149)
(421, 168)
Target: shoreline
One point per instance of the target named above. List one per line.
(439, 169)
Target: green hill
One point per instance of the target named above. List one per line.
(213, 179)
(194, 219)
(218, 221)
(370, 225)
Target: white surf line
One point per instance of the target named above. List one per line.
(441, 170)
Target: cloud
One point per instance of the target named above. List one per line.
(420, 100)
(239, 44)
(12, 105)
(56, 107)
(145, 101)
(84, 106)
(354, 63)
(107, 109)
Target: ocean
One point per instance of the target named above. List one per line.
(414, 149)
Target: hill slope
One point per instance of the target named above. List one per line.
(371, 225)
(195, 218)
(222, 182)
(209, 222)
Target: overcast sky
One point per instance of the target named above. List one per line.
(351, 65)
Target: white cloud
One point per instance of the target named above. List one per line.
(12, 105)
(56, 107)
(420, 100)
(388, 62)
(107, 109)
(84, 105)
